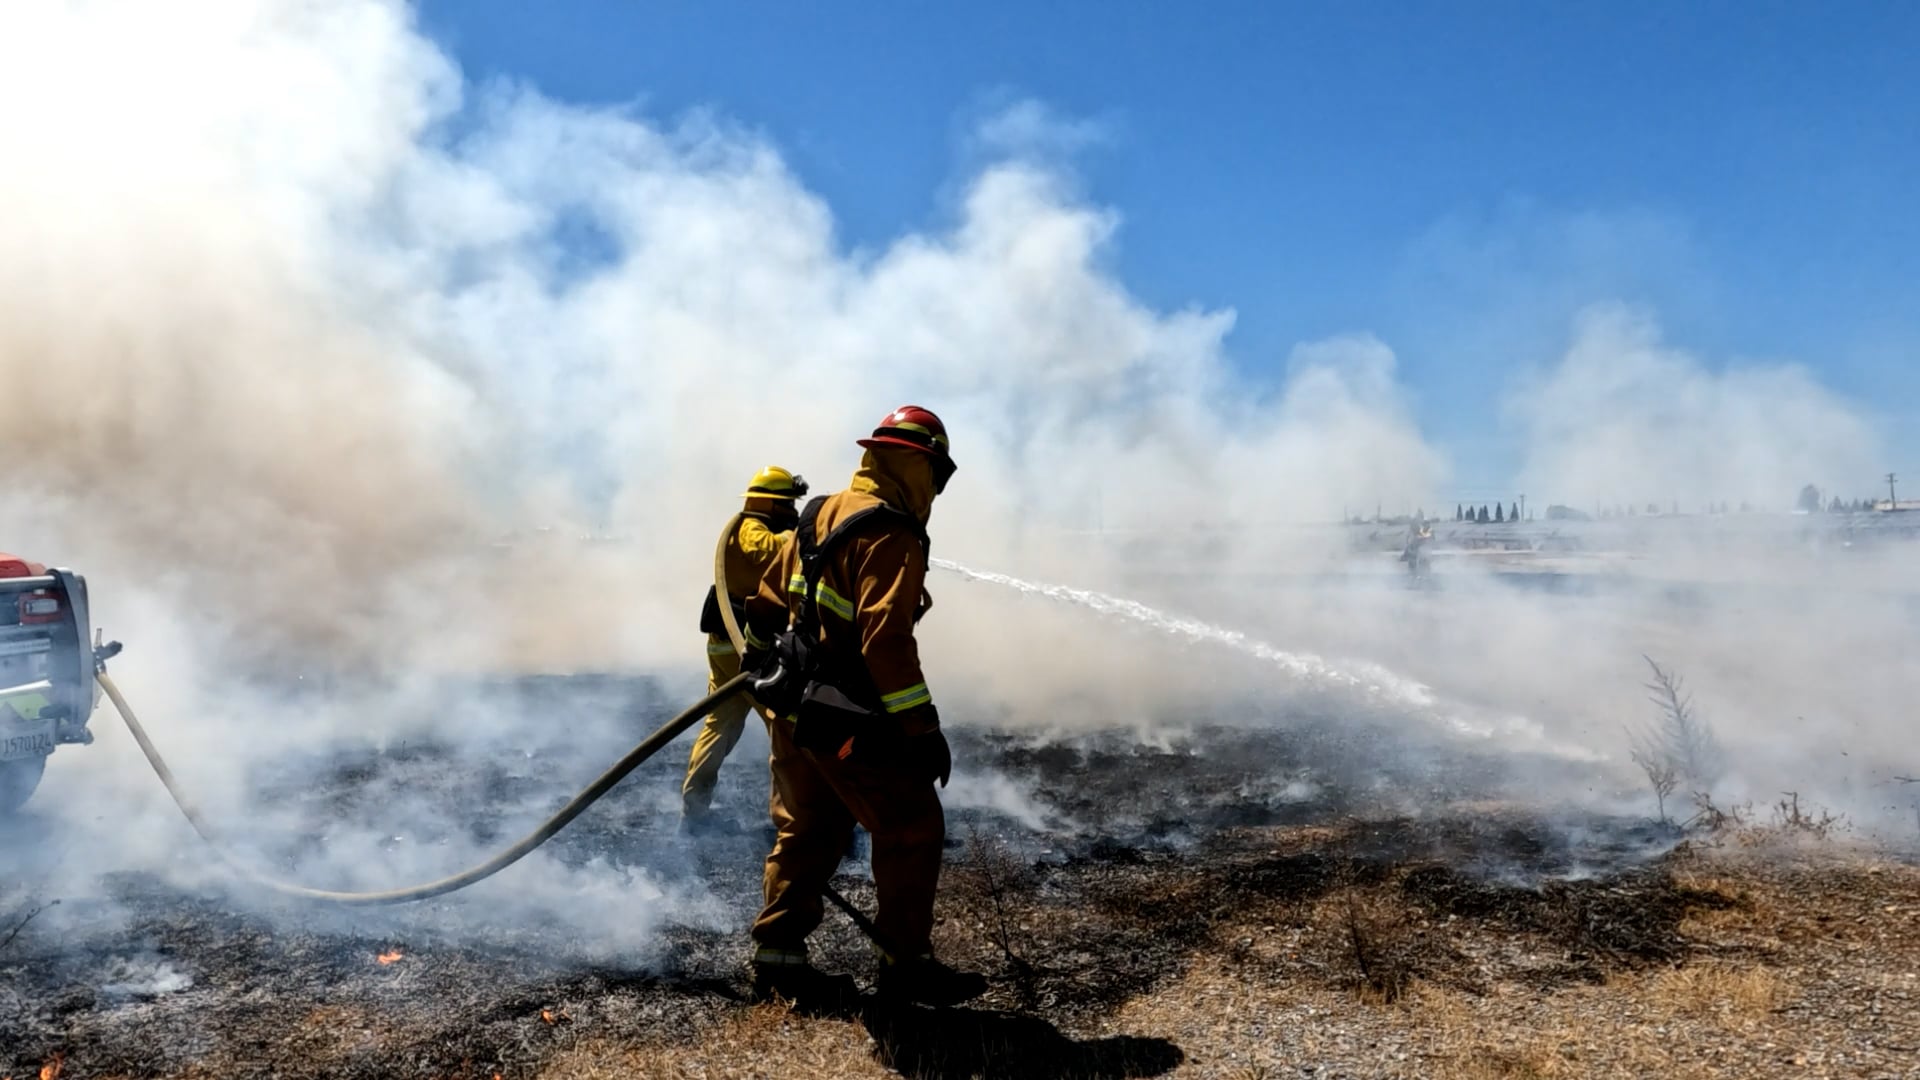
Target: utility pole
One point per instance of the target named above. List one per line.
(1523, 506)
(1893, 501)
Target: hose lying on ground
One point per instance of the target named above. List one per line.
(587, 797)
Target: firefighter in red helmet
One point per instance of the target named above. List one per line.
(856, 737)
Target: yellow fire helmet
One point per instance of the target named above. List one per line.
(774, 482)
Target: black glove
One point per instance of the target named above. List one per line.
(756, 660)
(928, 756)
(765, 675)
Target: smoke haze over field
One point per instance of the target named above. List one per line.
(296, 322)
(1624, 418)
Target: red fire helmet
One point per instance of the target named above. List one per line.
(918, 429)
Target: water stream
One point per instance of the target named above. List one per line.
(1366, 679)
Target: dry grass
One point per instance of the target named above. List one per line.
(1739, 994)
(1628, 1028)
(1745, 918)
(1791, 971)
(1633, 1026)
(1381, 942)
(766, 1042)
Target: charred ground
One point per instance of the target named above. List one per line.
(1238, 901)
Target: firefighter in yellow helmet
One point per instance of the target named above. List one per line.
(766, 521)
(856, 738)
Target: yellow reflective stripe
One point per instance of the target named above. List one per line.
(822, 595)
(902, 700)
(753, 639)
(723, 648)
(833, 602)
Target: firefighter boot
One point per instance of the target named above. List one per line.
(788, 976)
(927, 981)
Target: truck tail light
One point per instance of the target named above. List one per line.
(39, 608)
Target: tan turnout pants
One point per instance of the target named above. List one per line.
(719, 734)
(816, 800)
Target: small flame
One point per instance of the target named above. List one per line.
(55, 1065)
(547, 1015)
(389, 956)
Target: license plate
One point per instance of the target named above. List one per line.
(22, 742)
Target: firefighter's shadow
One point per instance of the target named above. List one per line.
(964, 1044)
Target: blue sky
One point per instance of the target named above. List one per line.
(1457, 178)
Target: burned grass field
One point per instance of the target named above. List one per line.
(1243, 901)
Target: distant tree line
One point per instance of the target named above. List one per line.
(1500, 515)
(1811, 501)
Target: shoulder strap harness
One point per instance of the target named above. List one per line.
(814, 552)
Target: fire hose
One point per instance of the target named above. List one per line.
(587, 796)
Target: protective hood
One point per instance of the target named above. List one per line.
(903, 479)
(774, 511)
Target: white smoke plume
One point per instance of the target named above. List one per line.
(1624, 418)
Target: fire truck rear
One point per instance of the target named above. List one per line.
(48, 654)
